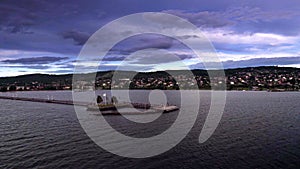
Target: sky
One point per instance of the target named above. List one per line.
(47, 36)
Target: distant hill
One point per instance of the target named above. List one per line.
(243, 78)
(47, 78)
(42, 78)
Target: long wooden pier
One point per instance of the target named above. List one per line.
(66, 102)
(103, 108)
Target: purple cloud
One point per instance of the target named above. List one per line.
(140, 42)
(35, 60)
(78, 37)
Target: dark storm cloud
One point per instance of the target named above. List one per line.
(114, 58)
(140, 42)
(147, 59)
(184, 56)
(158, 58)
(78, 37)
(159, 43)
(35, 60)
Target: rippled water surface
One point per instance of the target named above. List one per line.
(258, 130)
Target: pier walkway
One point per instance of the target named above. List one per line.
(91, 107)
(66, 102)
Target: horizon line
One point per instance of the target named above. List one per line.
(275, 66)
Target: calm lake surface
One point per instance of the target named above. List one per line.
(257, 130)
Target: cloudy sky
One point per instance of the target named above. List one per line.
(47, 36)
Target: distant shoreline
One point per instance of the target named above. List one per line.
(151, 89)
(248, 79)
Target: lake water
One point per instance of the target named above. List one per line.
(257, 130)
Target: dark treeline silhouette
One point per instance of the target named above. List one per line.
(252, 78)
